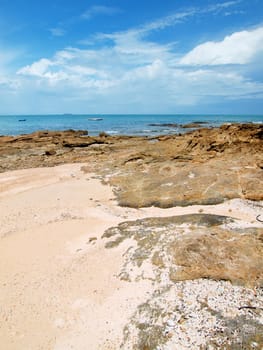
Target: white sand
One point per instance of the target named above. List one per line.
(58, 289)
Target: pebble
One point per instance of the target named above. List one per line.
(170, 323)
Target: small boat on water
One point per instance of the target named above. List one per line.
(22, 120)
(95, 119)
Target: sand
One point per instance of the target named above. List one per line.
(59, 286)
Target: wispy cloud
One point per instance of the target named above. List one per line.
(144, 30)
(224, 5)
(227, 8)
(133, 42)
(99, 10)
(182, 16)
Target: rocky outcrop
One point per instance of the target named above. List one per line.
(44, 148)
(190, 260)
(205, 166)
(181, 183)
(194, 246)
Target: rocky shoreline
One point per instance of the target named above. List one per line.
(199, 273)
(206, 166)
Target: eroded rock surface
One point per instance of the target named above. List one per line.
(191, 260)
(195, 246)
(202, 167)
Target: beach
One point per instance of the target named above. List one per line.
(118, 242)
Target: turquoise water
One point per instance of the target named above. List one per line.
(114, 124)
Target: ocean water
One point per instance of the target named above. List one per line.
(115, 124)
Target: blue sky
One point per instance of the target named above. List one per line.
(130, 56)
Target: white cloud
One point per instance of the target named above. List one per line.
(38, 69)
(152, 71)
(237, 48)
(67, 69)
(206, 82)
(135, 72)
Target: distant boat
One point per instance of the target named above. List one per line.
(95, 119)
(22, 120)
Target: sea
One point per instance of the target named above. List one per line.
(117, 124)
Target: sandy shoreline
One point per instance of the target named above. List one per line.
(50, 267)
(130, 242)
(59, 285)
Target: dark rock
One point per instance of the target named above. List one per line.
(193, 125)
(169, 125)
(50, 152)
(81, 142)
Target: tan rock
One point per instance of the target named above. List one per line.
(194, 246)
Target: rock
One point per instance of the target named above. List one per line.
(103, 134)
(194, 246)
(225, 255)
(193, 305)
(82, 142)
(170, 323)
(168, 184)
(193, 125)
(169, 125)
(50, 152)
(76, 142)
(224, 162)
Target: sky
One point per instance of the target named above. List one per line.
(131, 56)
